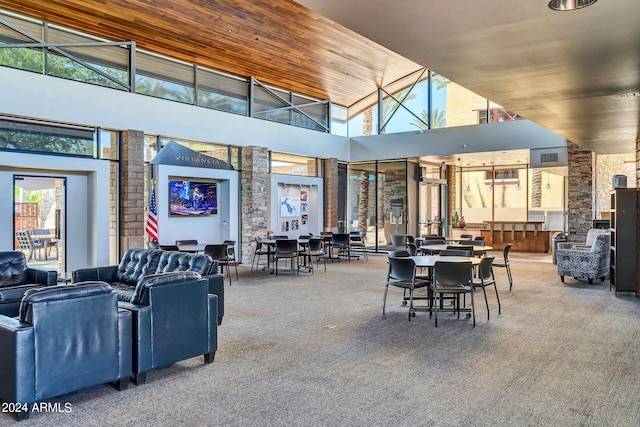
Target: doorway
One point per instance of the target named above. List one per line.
(430, 213)
(40, 221)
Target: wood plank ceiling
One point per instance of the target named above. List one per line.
(278, 42)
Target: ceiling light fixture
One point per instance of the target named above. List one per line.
(562, 5)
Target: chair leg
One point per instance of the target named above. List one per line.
(208, 358)
(509, 276)
(410, 302)
(473, 309)
(486, 301)
(384, 299)
(497, 297)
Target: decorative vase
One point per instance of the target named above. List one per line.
(462, 223)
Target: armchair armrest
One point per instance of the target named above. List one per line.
(125, 338)
(104, 274)
(17, 382)
(42, 276)
(216, 287)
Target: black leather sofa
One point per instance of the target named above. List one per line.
(136, 264)
(16, 278)
(66, 338)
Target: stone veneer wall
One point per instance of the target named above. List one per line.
(330, 195)
(254, 188)
(451, 198)
(580, 202)
(607, 166)
(132, 213)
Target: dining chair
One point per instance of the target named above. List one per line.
(413, 249)
(169, 247)
(400, 253)
(153, 245)
(468, 248)
(466, 236)
(26, 244)
(452, 278)
(479, 238)
(431, 241)
(504, 263)
(342, 242)
(314, 249)
(186, 242)
(357, 243)
(261, 249)
(402, 274)
(231, 250)
(486, 278)
(455, 252)
(220, 253)
(286, 249)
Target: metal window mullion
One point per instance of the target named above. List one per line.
(132, 67)
(379, 111)
(400, 104)
(252, 95)
(195, 84)
(45, 51)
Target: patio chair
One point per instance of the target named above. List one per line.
(26, 244)
(504, 263)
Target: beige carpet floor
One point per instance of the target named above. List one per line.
(316, 351)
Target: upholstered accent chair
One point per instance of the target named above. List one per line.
(66, 338)
(585, 261)
(16, 278)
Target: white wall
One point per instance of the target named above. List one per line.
(314, 188)
(50, 98)
(205, 229)
(87, 203)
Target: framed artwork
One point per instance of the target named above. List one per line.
(305, 219)
(289, 207)
(303, 195)
(294, 224)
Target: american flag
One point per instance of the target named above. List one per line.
(152, 219)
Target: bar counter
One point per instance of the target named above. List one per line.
(525, 236)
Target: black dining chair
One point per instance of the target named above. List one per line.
(357, 243)
(400, 253)
(452, 278)
(220, 253)
(314, 249)
(504, 263)
(402, 274)
(153, 245)
(231, 251)
(455, 252)
(261, 248)
(286, 249)
(468, 248)
(466, 236)
(169, 247)
(486, 278)
(342, 243)
(479, 238)
(186, 242)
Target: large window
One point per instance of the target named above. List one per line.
(289, 164)
(47, 138)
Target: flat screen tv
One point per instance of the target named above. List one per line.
(192, 198)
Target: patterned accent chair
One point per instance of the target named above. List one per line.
(583, 261)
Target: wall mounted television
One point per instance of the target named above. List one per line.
(192, 198)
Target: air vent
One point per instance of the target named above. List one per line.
(548, 158)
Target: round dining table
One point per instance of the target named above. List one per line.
(429, 261)
(443, 246)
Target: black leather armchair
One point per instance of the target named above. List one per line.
(16, 278)
(174, 318)
(136, 264)
(66, 338)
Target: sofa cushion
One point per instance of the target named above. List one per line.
(171, 261)
(15, 293)
(141, 294)
(60, 292)
(13, 268)
(136, 263)
(123, 290)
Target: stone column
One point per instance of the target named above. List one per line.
(330, 195)
(131, 190)
(452, 198)
(580, 202)
(254, 183)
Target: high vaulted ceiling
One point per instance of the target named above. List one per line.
(562, 70)
(278, 42)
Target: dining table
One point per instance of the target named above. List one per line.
(443, 246)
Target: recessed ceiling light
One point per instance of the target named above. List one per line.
(229, 30)
(633, 94)
(561, 5)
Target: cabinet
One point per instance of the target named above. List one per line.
(624, 235)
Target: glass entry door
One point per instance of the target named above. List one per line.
(39, 220)
(430, 216)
